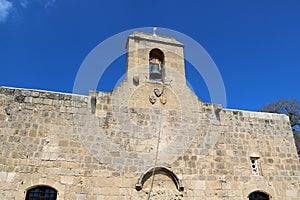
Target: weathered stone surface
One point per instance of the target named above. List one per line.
(56, 139)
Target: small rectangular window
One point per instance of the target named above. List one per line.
(254, 166)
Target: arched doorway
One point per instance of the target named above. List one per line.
(41, 193)
(257, 195)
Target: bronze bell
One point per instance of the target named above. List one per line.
(155, 72)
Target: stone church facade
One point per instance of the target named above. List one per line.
(150, 138)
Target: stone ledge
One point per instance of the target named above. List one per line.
(32, 93)
(259, 115)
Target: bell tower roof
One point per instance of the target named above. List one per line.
(153, 38)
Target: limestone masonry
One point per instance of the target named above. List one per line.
(150, 138)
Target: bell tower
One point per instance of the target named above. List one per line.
(154, 58)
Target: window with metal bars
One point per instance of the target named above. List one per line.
(41, 193)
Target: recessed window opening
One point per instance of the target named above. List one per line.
(258, 196)
(41, 193)
(254, 163)
(156, 64)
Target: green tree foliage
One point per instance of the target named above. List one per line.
(289, 107)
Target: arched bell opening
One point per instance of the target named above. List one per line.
(156, 64)
(159, 170)
(258, 195)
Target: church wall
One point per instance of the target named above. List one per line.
(56, 139)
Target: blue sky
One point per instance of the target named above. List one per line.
(255, 44)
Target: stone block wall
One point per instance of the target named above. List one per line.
(56, 139)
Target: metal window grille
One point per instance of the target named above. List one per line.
(41, 193)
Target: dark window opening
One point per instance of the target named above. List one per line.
(156, 64)
(258, 196)
(41, 193)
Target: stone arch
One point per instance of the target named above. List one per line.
(256, 185)
(259, 195)
(159, 170)
(41, 192)
(156, 64)
(157, 53)
(28, 184)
